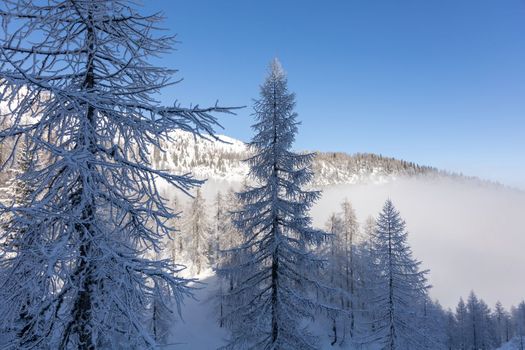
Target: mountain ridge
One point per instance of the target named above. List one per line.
(222, 159)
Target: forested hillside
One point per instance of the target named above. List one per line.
(222, 158)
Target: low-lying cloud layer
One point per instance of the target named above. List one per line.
(471, 237)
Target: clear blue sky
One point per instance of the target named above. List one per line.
(438, 82)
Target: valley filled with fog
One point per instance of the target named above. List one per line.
(470, 235)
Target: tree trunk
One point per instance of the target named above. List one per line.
(275, 285)
(83, 305)
(334, 330)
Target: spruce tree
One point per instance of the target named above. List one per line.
(228, 238)
(221, 228)
(501, 320)
(400, 285)
(16, 250)
(197, 229)
(481, 332)
(333, 252)
(276, 292)
(349, 243)
(518, 315)
(175, 242)
(451, 339)
(462, 321)
(83, 71)
(342, 260)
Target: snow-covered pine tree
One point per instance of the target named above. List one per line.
(367, 232)
(432, 324)
(19, 189)
(162, 315)
(364, 277)
(400, 285)
(451, 331)
(230, 237)
(462, 322)
(518, 318)
(175, 243)
(331, 248)
(221, 225)
(480, 331)
(227, 237)
(340, 253)
(82, 70)
(333, 253)
(490, 335)
(502, 323)
(197, 230)
(14, 250)
(349, 244)
(276, 293)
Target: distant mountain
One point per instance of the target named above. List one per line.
(222, 160)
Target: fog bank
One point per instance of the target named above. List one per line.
(471, 237)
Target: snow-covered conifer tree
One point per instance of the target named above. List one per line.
(276, 292)
(518, 316)
(228, 237)
(221, 227)
(175, 243)
(462, 322)
(15, 250)
(480, 330)
(332, 248)
(502, 323)
(400, 285)
(162, 315)
(368, 230)
(19, 188)
(365, 274)
(333, 252)
(349, 243)
(432, 323)
(197, 229)
(451, 331)
(82, 70)
(342, 269)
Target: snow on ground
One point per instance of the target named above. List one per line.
(199, 328)
(514, 344)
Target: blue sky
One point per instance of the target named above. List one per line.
(438, 82)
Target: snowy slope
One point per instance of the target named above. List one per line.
(514, 344)
(199, 330)
(204, 158)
